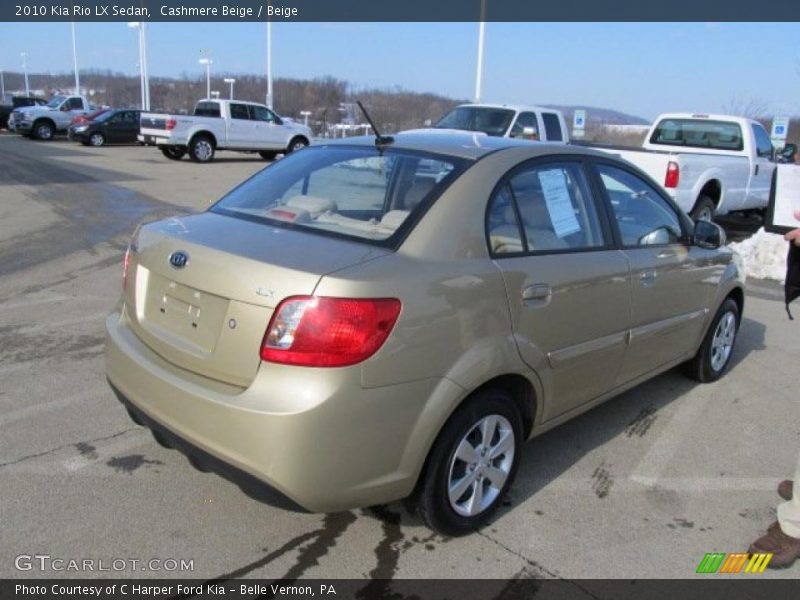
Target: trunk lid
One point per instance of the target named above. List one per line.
(209, 316)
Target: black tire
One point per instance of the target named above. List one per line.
(704, 208)
(161, 439)
(201, 148)
(97, 139)
(268, 154)
(173, 152)
(432, 499)
(702, 367)
(43, 130)
(297, 143)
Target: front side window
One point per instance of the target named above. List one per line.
(643, 216)
(526, 121)
(355, 191)
(763, 143)
(491, 121)
(550, 207)
(698, 133)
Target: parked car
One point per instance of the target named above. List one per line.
(223, 125)
(709, 164)
(15, 102)
(356, 324)
(43, 122)
(503, 120)
(119, 126)
(81, 119)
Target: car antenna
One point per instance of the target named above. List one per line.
(380, 140)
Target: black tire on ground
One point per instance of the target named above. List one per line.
(97, 139)
(297, 143)
(201, 148)
(714, 355)
(134, 417)
(161, 439)
(173, 152)
(268, 154)
(432, 497)
(43, 130)
(704, 209)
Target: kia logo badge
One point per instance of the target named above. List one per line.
(178, 259)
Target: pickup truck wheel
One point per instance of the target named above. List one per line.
(268, 154)
(97, 139)
(201, 149)
(43, 130)
(173, 152)
(472, 464)
(704, 209)
(296, 144)
(714, 355)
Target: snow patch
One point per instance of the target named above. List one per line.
(763, 255)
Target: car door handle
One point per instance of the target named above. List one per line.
(756, 170)
(537, 291)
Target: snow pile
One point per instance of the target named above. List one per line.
(763, 254)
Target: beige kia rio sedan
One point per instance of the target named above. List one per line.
(356, 324)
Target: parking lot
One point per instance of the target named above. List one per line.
(641, 487)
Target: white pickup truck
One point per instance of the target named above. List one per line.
(222, 125)
(533, 123)
(709, 164)
(42, 122)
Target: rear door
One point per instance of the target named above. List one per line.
(670, 279)
(568, 288)
(553, 127)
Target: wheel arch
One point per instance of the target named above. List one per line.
(203, 133)
(712, 188)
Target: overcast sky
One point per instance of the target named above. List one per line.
(642, 69)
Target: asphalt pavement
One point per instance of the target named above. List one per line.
(640, 487)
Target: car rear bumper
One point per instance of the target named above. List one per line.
(315, 435)
(152, 140)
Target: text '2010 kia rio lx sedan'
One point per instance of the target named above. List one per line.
(360, 323)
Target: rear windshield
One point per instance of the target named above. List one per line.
(353, 192)
(491, 121)
(698, 133)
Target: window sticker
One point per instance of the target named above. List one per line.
(559, 203)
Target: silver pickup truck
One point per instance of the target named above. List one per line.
(42, 122)
(223, 125)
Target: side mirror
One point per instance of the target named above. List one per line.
(278, 120)
(708, 235)
(788, 152)
(529, 133)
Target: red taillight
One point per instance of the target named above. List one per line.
(125, 264)
(673, 175)
(170, 124)
(315, 331)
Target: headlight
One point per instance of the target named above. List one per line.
(81, 128)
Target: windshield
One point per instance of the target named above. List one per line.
(355, 192)
(101, 116)
(491, 121)
(698, 133)
(56, 101)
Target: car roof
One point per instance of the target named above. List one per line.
(467, 145)
(515, 107)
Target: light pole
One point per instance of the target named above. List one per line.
(479, 69)
(269, 64)
(75, 60)
(231, 81)
(2, 87)
(143, 76)
(207, 62)
(305, 114)
(24, 56)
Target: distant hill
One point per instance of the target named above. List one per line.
(601, 116)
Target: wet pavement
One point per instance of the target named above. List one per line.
(641, 487)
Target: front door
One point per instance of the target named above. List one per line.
(670, 279)
(568, 289)
(241, 130)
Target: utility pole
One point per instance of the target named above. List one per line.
(479, 73)
(75, 60)
(269, 63)
(24, 56)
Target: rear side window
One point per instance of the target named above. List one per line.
(552, 127)
(550, 208)
(207, 109)
(643, 216)
(356, 192)
(698, 133)
(239, 111)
